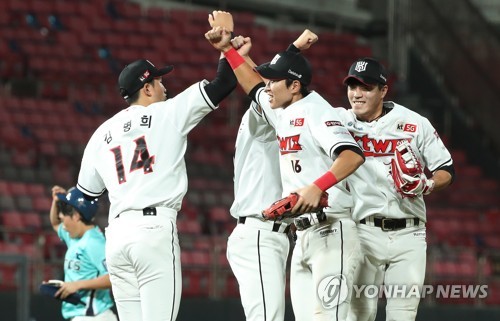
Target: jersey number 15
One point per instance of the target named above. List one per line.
(141, 159)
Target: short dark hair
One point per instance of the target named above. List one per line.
(353, 81)
(135, 96)
(68, 210)
(304, 91)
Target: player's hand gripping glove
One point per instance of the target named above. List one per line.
(283, 208)
(408, 173)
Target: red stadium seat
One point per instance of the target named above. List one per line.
(195, 283)
(188, 227)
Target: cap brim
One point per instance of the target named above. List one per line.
(51, 289)
(364, 81)
(163, 71)
(62, 197)
(267, 72)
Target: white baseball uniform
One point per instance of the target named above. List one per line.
(325, 254)
(138, 156)
(257, 250)
(391, 256)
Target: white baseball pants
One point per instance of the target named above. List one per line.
(143, 258)
(396, 258)
(258, 259)
(322, 270)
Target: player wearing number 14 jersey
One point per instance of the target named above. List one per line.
(138, 156)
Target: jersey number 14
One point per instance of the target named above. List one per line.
(141, 159)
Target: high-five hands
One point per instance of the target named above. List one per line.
(221, 19)
(242, 45)
(219, 38)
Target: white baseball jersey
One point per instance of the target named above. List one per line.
(138, 154)
(257, 181)
(256, 254)
(309, 131)
(373, 187)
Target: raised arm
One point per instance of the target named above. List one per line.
(220, 39)
(54, 211)
(305, 40)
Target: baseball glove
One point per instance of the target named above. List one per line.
(408, 173)
(283, 208)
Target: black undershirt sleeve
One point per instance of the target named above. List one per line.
(223, 84)
(355, 149)
(450, 169)
(252, 94)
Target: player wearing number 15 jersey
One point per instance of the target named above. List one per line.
(138, 157)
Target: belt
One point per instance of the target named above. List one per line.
(268, 225)
(305, 222)
(147, 211)
(390, 224)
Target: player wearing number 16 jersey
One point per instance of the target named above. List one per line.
(316, 154)
(138, 156)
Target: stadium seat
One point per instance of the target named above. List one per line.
(195, 283)
(8, 276)
(42, 203)
(188, 227)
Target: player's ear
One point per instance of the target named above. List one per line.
(296, 85)
(77, 216)
(148, 89)
(383, 91)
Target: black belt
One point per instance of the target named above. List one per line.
(391, 224)
(276, 226)
(303, 223)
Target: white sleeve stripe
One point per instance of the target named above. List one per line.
(334, 147)
(204, 94)
(86, 191)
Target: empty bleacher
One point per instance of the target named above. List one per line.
(75, 64)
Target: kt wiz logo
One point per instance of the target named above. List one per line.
(289, 144)
(332, 291)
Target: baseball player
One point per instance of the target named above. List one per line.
(258, 250)
(85, 272)
(391, 223)
(138, 157)
(316, 154)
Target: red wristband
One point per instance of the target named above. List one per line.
(326, 181)
(233, 58)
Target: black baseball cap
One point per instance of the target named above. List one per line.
(368, 71)
(287, 65)
(136, 74)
